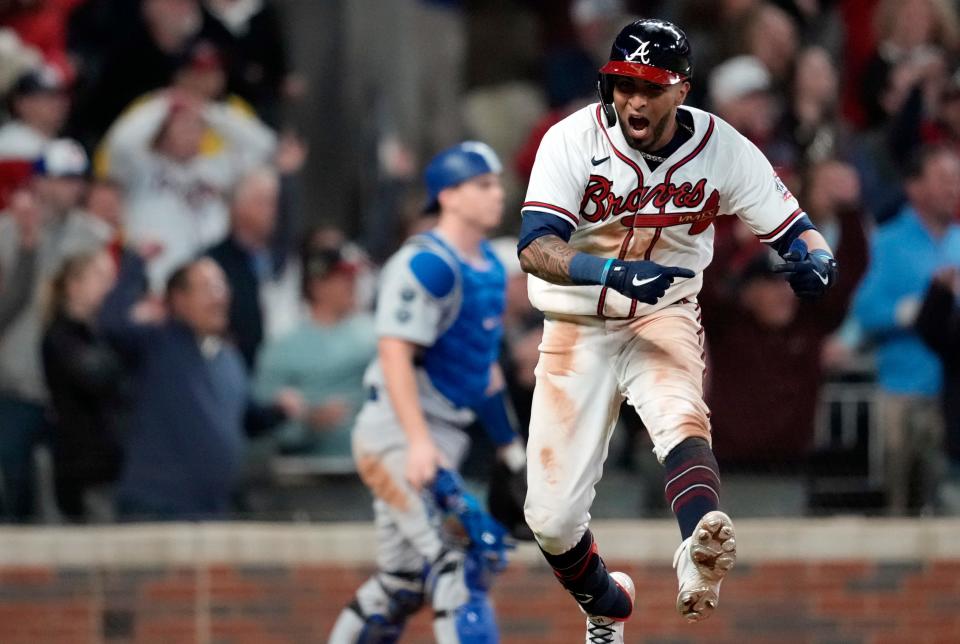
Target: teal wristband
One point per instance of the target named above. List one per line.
(606, 269)
(589, 269)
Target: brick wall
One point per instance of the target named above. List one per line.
(909, 602)
(127, 593)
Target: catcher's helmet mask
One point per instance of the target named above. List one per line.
(455, 165)
(653, 50)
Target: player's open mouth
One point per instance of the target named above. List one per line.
(638, 125)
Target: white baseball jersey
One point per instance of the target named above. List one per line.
(586, 174)
(180, 204)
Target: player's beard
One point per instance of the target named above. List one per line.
(658, 129)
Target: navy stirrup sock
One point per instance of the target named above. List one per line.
(582, 572)
(692, 483)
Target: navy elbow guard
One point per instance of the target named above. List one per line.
(784, 242)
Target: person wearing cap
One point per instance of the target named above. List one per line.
(57, 183)
(176, 176)
(39, 105)
(439, 324)
(201, 71)
(617, 229)
(325, 357)
(740, 94)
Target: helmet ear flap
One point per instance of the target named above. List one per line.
(604, 88)
(605, 92)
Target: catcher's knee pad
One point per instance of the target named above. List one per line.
(446, 582)
(462, 614)
(400, 596)
(475, 622)
(377, 629)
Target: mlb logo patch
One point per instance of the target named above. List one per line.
(781, 188)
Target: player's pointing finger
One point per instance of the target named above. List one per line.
(676, 271)
(790, 267)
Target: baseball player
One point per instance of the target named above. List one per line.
(438, 319)
(616, 233)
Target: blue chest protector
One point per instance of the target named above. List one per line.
(459, 362)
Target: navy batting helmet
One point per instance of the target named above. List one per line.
(654, 50)
(455, 165)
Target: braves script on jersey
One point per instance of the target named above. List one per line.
(586, 174)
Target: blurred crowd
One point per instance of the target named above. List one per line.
(166, 297)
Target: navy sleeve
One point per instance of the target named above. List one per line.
(537, 224)
(127, 336)
(782, 243)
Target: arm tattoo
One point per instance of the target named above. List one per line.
(548, 258)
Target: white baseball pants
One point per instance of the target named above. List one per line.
(587, 367)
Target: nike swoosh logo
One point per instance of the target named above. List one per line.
(637, 282)
(823, 278)
(599, 161)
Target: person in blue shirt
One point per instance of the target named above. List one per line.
(439, 324)
(905, 254)
(192, 407)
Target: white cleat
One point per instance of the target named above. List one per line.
(702, 561)
(607, 630)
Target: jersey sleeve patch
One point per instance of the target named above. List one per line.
(433, 273)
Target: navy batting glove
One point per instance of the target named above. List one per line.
(810, 273)
(642, 280)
